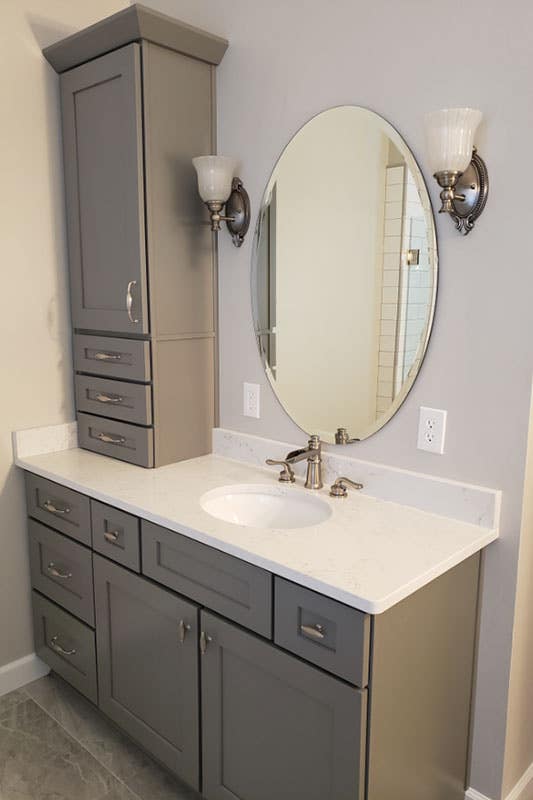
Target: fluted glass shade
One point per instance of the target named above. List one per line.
(450, 138)
(215, 174)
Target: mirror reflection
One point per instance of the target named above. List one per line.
(344, 274)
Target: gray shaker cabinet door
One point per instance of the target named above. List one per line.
(274, 727)
(147, 644)
(102, 141)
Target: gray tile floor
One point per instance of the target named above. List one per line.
(54, 745)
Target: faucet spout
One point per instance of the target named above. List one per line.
(313, 455)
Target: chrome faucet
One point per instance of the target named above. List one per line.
(313, 454)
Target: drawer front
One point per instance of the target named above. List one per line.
(323, 631)
(62, 570)
(60, 508)
(222, 583)
(66, 645)
(130, 402)
(116, 439)
(116, 535)
(113, 357)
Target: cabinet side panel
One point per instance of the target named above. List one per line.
(183, 398)
(179, 124)
(421, 686)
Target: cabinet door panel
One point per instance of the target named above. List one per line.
(147, 669)
(102, 132)
(274, 727)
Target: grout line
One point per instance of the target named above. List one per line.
(84, 747)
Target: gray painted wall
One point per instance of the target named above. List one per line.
(289, 59)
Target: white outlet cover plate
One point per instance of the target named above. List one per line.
(432, 430)
(251, 398)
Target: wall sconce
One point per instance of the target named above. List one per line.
(218, 187)
(457, 167)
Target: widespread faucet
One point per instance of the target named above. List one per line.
(313, 454)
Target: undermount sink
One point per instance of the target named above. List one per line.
(260, 506)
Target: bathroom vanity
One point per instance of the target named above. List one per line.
(208, 642)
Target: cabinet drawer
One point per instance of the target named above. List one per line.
(221, 582)
(131, 402)
(116, 535)
(112, 357)
(117, 439)
(61, 508)
(323, 631)
(66, 645)
(62, 570)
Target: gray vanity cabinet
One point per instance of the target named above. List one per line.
(147, 640)
(273, 726)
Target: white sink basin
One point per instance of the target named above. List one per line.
(260, 506)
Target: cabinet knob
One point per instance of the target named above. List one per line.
(315, 631)
(204, 641)
(183, 627)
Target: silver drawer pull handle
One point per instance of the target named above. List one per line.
(54, 644)
(55, 573)
(105, 437)
(316, 631)
(49, 506)
(129, 302)
(204, 641)
(109, 398)
(107, 356)
(111, 536)
(183, 627)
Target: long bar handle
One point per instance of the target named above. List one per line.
(54, 644)
(55, 573)
(105, 437)
(109, 398)
(129, 302)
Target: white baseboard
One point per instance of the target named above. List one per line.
(19, 673)
(516, 792)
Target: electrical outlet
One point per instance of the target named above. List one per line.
(432, 430)
(251, 400)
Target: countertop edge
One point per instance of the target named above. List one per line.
(374, 607)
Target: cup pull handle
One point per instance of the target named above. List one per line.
(54, 644)
(53, 509)
(56, 573)
(315, 631)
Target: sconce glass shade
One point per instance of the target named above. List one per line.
(215, 174)
(450, 138)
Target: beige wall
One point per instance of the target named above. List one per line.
(519, 743)
(34, 326)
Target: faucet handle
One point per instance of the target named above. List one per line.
(287, 473)
(339, 488)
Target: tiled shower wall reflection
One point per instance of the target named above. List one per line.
(407, 289)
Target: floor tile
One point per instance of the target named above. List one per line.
(7, 701)
(40, 761)
(106, 743)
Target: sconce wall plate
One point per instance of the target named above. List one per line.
(464, 195)
(238, 212)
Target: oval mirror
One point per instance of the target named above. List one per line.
(344, 274)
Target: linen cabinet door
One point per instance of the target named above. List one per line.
(102, 143)
(147, 646)
(273, 726)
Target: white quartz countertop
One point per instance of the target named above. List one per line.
(369, 554)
